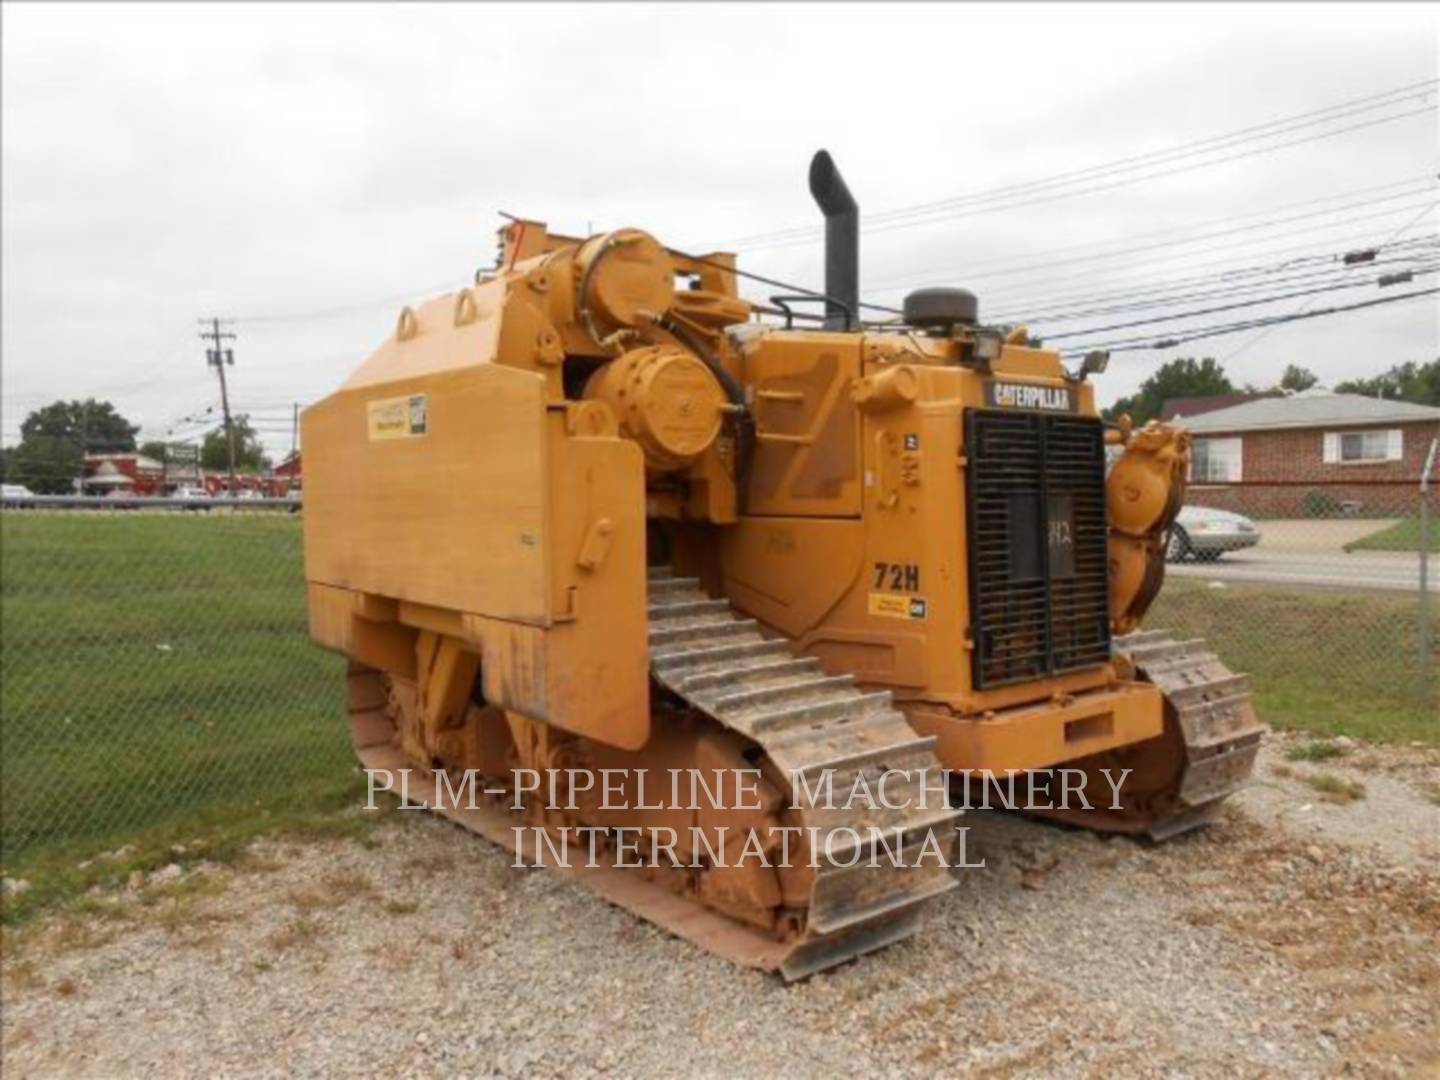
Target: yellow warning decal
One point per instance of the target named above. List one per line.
(398, 417)
(897, 607)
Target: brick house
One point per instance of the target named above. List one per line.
(1311, 454)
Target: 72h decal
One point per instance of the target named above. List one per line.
(897, 577)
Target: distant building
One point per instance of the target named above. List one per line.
(1182, 407)
(287, 474)
(1314, 453)
(123, 474)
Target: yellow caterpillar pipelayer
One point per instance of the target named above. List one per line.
(598, 516)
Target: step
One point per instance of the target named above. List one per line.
(818, 712)
(677, 661)
(788, 691)
(831, 923)
(770, 667)
(686, 608)
(663, 586)
(854, 762)
(1220, 690)
(1161, 652)
(715, 630)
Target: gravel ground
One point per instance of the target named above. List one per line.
(1298, 936)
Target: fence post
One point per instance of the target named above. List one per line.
(1425, 656)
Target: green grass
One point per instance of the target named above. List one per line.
(1402, 536)
(156, 675)
(214, 831)
(1314, 751)
(1339, 662)
(157, 687)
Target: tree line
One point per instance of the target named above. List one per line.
(1189, 377)
(54, 440)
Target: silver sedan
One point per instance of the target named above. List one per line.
(1205, 534)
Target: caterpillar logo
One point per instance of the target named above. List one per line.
(1006, 395)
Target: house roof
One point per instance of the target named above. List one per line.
(1312, 409)
(141, 461)
(1177, 408)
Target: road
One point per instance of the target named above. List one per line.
(1390, 570)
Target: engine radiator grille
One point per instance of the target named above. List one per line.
(1039, 577)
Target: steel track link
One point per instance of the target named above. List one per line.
(1216, 719)
(815, 726)
(807, 723)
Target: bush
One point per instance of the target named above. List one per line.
(1320, 504)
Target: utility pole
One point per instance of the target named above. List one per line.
(220, 357)
(295, 429)
(84, 444)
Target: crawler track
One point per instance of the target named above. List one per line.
(704, 656)
(814, 724)
(1210, 723)
(1206, 752)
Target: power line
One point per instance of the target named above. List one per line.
(1152, 342)
(1170, 297)
(1235, 278)
(1393, 237)
(1272, 299)
(1228, 236)
(1019, 194)
(1187, 148)
(1172, 237)
(1016, 297)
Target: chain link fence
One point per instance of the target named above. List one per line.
(1316, 592)
(156, 666)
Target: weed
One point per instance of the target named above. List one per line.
(296, 933)
(1314, 751)
(1335, 789)
(21, 975)
(434, 863)
(78, 935)
(401, 907)
(333, 892)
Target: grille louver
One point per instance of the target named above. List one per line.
(1039, 585)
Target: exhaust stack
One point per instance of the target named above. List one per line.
(842, 241)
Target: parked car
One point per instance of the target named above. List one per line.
(14, 493)
(1205, 534)
(197, 496)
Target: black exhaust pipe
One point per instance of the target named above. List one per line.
(842, 242)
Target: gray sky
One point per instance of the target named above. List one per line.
(310, 169)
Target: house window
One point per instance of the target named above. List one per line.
(1215, 461)
(1361, 447)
